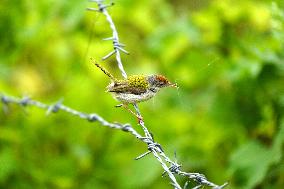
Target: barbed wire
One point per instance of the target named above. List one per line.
(153, 147)
(170, 167)
(54, 108)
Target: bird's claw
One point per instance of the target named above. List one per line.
(140, 118)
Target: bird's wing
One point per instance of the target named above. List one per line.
(124, 87)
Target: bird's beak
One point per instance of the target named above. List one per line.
(173, 85)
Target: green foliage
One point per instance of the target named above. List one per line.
(225, 120)
(251, 162)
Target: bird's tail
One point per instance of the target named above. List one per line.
(103, 70)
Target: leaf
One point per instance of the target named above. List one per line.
(250, 163)
(7, 164)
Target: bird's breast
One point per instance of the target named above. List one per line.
(134, 98)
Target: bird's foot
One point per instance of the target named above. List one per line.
(140, 118)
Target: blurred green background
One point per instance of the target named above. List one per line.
(226, 120)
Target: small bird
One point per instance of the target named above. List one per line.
(136, 88)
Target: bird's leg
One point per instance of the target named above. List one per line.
(139, 117)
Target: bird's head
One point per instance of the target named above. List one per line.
(159, 81)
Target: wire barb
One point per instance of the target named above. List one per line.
(25, 100)
(92, 117)
(55, 107)
(101, 6)
(143, 155)
(117, 46)
(126, 127)
(109, 55)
